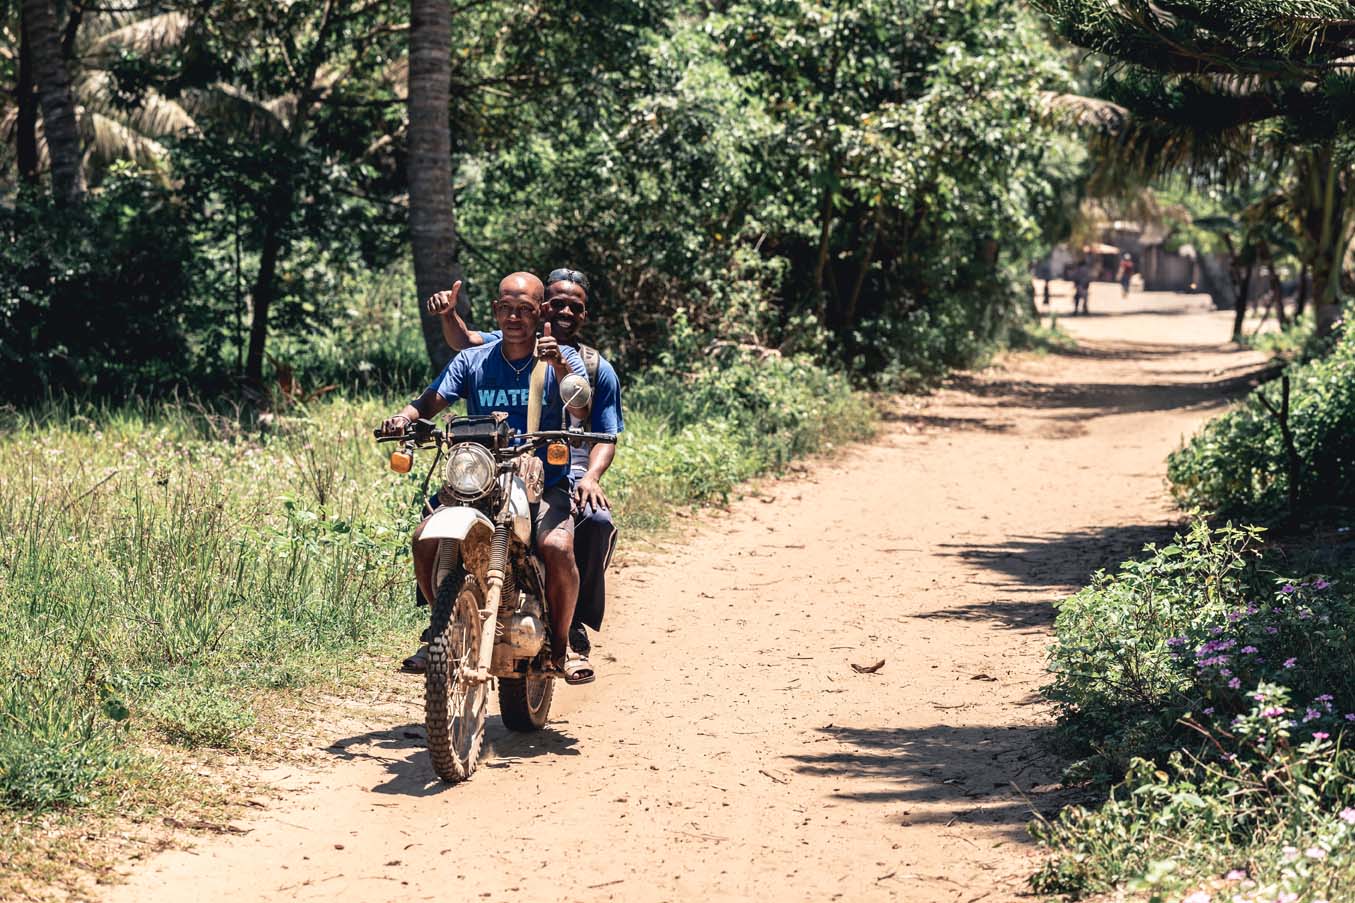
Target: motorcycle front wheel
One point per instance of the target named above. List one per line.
(524, 702)
(454, 703)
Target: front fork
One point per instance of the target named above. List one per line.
(495, 576)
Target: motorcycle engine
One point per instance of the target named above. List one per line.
(522, 630)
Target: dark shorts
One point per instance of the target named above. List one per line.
(553, 511)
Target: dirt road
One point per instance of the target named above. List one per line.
(728, 750)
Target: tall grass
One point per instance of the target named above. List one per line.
(162, 565)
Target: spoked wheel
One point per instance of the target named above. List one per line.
(454, 704)
(524, 702)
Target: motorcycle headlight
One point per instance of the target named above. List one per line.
(470, 471)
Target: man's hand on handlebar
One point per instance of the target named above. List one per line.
(394, 426)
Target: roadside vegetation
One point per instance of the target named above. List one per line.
(1208, 683)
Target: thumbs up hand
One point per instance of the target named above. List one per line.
(443, 304)
(547, 348)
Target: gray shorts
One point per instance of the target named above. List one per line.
(554, 511)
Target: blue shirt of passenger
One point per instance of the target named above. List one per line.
(606, 412)
(605, 416)
(489, 382)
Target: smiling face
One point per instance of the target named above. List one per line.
(518, 307)
(566, 310)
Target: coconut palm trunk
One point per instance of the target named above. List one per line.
(432, 222)
(54, 98)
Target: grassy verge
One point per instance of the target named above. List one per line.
(167, 572)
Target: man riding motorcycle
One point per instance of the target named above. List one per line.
(595, 534)
(497, 378)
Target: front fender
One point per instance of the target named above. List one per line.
(455, 523)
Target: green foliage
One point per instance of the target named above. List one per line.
(863, 181)
(1271, 821)
(1118, 678)
(1238, 464)
(97, 298)
(1222, 694)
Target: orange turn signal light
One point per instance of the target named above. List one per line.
(557, 453)
(401, 461)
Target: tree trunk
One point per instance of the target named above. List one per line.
(261, 299)
(432, 220)
(26, 119)
(1240, 302)
(54, 95)
(1301, 301)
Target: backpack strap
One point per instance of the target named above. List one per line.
(591, 358)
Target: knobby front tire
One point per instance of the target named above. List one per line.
(454, 705)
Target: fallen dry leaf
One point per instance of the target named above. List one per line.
(868, 669)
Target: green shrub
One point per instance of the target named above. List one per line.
(1237, 463)
(1222, 691)
(1270, 819)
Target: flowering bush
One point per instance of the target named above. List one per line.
(1270, 821)
(1222, 691)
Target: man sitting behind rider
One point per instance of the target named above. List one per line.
(595, 534)
(497, 378)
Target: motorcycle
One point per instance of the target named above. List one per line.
(490, 620)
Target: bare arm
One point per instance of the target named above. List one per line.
(426, 406)
(589, 488)
(454, 331)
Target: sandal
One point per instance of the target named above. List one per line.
(416, 663)
(578, 671)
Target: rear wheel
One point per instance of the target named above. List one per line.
(524, 702)
(454, 704)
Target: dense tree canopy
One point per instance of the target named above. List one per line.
(865, 180)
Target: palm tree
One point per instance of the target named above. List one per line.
(432, 221)
(54, 96)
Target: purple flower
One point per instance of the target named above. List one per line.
(1320, 735)
(1259, 697)
(1290, 662)
(1311, 714)
(1248, 650)
(1235, 683)
(1209, 710)
(1319, 584)
(1272, 630)
(1305, 614)
(1252, 608)
(1234, 617)
(1272, 712)
(1174, 641)
(1288, 588)
(1216, 630)
(1350, 716)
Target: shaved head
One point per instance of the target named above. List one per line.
(523, 284)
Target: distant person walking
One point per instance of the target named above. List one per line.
(1082, 283)
(1125, 274)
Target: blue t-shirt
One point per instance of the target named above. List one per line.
(605, 416)
(606, 412)
(488, 383)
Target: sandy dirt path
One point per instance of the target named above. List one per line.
(728, 750)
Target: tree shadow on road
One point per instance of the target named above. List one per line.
(1105, 399)
(403, 752)
(1025, 568)
(978, 774)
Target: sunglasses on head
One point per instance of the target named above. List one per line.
(564, 274)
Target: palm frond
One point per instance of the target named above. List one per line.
(148, 35)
